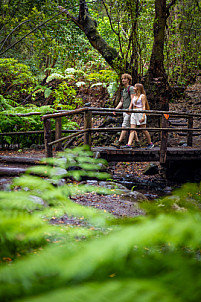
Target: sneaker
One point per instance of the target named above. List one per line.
(127, 147)
(150, 146)
(137, 145)
(117, 144)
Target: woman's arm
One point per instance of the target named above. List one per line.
(143, 107)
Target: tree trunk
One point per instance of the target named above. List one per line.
(155, 81)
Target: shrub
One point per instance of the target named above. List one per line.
(15, 78)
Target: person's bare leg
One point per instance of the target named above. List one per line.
(132, 135)
(146, 133)
(136, 137)
(122, 135)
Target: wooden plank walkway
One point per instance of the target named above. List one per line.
(143, 155)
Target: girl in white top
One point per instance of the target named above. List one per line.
(139, 102)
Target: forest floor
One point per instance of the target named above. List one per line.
(190, 102)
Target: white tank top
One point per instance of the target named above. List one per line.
(137, 102)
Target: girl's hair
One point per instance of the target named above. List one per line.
(140, 87)
(128, 76)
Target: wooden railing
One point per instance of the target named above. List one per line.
(35, 135)
(88, 127)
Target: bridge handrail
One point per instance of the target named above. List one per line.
(111, 110)
(88, 111)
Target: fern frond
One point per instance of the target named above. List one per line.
(150, 249)
(113, 290)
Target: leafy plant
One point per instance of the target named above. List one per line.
(143, 259)
(65, 97)
(39, 88)
(25, 213)
(148, 259)
(11, 121)
(15, 78)
(104, 76)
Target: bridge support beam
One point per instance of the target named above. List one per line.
(87, 125)
(183, 171)
(164, 140)
(47, 138)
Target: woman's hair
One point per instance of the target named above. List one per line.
(128, 76)
(140, 87)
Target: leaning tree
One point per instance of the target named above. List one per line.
(155, 80)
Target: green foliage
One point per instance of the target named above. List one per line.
(77, 74)
(150, 258)
(187, 199)
(112, 88)
(154, 259)
(55, 76)
(25, 212)
(10, 121)
(126, 26)
(65, 97)
(83, 164)
(182, 55)
(104, 76)
(15, 78)
(39, 88)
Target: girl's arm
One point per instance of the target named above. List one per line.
(143, 107)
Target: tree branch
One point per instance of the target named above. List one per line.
(89, 26)
(29, 33)
(169, 6)
(116, 33)
(12, 32)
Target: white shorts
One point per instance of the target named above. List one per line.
(136, 117)
(126, 120)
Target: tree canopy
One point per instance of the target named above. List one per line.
(125, 30)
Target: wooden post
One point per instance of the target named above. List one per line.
(87, 125)
(58, 133)
(190, 133)
(47, 137)
(164, 139)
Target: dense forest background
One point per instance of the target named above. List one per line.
(61, 54)
(47, 41)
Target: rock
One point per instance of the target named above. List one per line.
(113, 185)
(125, 194)
(183, 144)
(38, 200)
(152, 169)
(90, 182)
(167, 190)
(58, 172)
(133, 196)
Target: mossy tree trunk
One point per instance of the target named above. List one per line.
(155, 81)
(89, 26)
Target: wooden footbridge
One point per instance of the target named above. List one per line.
(161, 153)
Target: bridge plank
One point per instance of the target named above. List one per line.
(143, 155)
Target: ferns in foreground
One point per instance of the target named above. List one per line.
(26, 211)
(152, 258)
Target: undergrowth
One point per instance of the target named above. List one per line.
(151, 258)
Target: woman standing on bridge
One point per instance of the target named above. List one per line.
(139, 102)
(125, 101)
